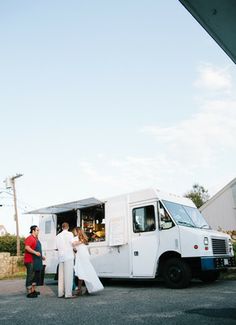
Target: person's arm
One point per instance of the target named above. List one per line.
(75, 243)
(30, 250)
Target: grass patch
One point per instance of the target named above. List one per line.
(229, 275)
(18, 275)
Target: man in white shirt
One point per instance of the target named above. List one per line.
(66, 262)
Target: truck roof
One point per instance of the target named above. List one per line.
(154, 193)
(132, 197)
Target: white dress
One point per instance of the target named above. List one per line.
(84, 269)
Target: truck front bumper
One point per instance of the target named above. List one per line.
(216, 263)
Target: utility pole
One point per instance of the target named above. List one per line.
(10, 183)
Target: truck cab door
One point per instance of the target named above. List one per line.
(145, 240)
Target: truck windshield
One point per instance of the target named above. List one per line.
(185, 215)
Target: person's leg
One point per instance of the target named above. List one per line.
(68, 277)
(29, 280)
(42, 274)
(61, 287)
(36, 281)
(80, 282)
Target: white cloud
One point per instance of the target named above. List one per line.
(197, 149)
(93, 173)
(130, 173)
(182, 154)
(199, 139)
(212, 78)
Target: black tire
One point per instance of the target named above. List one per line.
(209, 276)
(176, 273)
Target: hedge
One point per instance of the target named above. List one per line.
(8, 244)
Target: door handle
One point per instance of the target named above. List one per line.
(135, 253)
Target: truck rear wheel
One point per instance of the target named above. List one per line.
(176, 273)
(209, 276)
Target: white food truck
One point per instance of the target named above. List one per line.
(141, 235)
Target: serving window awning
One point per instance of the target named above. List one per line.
(218, 18)
(64, 207)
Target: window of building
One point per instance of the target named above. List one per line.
(48, 225)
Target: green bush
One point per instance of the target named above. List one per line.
(8, 244)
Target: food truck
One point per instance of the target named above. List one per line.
(141, 235)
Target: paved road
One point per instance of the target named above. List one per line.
(122, 302)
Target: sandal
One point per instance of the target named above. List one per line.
(79, 293)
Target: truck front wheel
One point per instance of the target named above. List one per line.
(176, 273)
(209, 276)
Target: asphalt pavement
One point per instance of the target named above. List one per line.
(121, 303)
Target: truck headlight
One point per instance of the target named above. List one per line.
(231, 250)
(206, 241)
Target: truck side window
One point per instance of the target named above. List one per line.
(144, 219)
(165, 220)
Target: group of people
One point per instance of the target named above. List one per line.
(82, 267)
(73, 259)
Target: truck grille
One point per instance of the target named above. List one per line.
(219, 246)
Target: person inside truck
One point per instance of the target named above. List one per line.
(150, 224)
(98, 236)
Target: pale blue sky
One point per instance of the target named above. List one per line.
(100, 97)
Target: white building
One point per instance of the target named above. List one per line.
(220, 210)
(3, 230)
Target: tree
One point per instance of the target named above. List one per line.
(198, 194)
(8, 244)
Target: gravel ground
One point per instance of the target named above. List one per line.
(121, 302)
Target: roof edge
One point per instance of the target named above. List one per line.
(215, 196)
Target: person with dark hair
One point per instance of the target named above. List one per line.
(30, 246)
(66, 262)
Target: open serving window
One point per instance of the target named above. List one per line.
(88, 214)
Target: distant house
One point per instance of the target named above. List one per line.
(3, 230)
(220, 210)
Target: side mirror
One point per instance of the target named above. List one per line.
(166, 225)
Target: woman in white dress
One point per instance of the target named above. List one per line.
(84, 269)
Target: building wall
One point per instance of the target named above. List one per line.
(221, 212)
(2, 231)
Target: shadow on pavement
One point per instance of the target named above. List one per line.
(226, 313)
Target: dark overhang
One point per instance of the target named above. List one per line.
(64, 207)
(218, 18)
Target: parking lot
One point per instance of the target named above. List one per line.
(122, 302)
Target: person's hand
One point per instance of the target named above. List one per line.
(37, 254)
